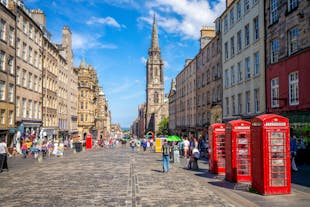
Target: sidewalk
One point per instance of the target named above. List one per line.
(300, 195)
(301, 178)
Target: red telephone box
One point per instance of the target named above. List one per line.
(217, 148)
(88, 141)
(238, 151)
(271, 167)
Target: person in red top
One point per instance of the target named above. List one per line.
(24, 149)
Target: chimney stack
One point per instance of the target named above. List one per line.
(206, 34)
(228, 2)
(39, 17)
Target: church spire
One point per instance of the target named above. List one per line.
(154, 45)
(83, 64)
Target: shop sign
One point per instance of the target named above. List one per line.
(275, 124)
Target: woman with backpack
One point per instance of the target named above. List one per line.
(166, 156)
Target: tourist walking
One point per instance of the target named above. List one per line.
(181, 147)
(3, 155)
(24, 148)
(293, 148)
(166, 156)
(196, 156)
(186, 147)
(176, 154)
(132, 145)
(151, 145)
(144, 144)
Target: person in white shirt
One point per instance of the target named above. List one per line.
(3, 155)
(186, 147)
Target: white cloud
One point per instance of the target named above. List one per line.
(88, 41)
(143, 60)
(123, 86)
(185, 16)
(166, 65)
(110, 21)
(123, 3)
(166, 78)
(132, 96)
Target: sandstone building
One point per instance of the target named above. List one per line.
(71, 73)
(7, 75)
(172, 108)
(87, 85)
(208, 82)
(29, 70)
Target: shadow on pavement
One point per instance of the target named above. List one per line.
(159, 171)
(302, 176)
(206, 174)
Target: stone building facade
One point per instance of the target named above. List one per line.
(87, 107)
(156, 107)
(101, 114)
(186, 99)
(50, 72)
(287, 59)
(209, 84)
(7, 75)
(51, 63)
(243, 59)
(29, 66)
(71, 73)
(172, 108)
(63, 99)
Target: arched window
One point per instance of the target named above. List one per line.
(155, 97)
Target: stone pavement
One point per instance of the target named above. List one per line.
(118, 177)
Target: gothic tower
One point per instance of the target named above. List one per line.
(154, 84)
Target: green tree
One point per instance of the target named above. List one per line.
(163, 126)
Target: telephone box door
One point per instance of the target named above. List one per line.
(238, 153)
(217, 148)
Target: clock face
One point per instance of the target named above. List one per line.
(155, 80)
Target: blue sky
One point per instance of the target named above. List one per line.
(114, 36)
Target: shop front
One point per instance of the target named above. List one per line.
(48, 133)
(63, 135)
(29, 127)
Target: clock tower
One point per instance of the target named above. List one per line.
(154, 84)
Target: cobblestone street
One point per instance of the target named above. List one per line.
(118, 177)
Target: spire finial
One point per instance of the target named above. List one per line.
(154, 45)
(83, 63)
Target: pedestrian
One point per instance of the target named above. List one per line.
(24, 148)
(44, 149)
(196, 156)
(166, 159)
(138, 145)
(176, 154)
(144, 144)
(186, 147)
(3, 155)
(181, 148)
(151, 145)
(132, 145)
(293, 148)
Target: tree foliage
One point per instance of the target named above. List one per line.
(163, 126)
